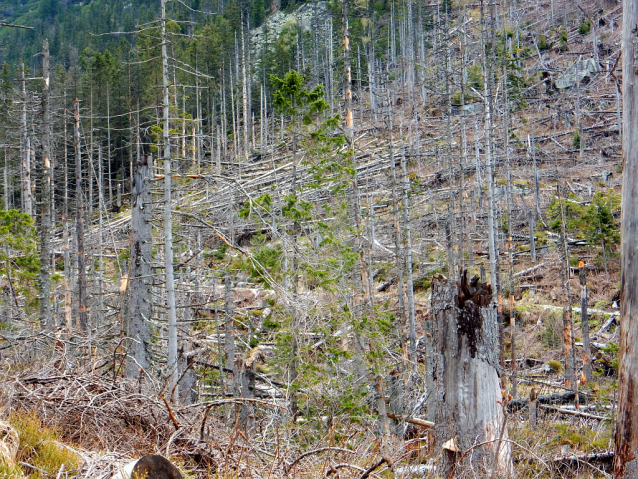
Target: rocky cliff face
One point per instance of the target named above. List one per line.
(311, 16)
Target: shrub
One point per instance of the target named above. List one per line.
(555, 366)
(585, 27)
(576, 140)
(542, 43)
(594, 222)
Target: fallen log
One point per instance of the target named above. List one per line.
(598, 457)
(384, 286)
(556, 398)
(606, 456)
(604, 327)
(571, 412)
(529, 270)
(411, 420)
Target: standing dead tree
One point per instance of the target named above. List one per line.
(45, 203)
(466, 396)
(138, 304)
(626, 461)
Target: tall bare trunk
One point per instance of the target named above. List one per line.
(489, 153)
(27, 187)
(398, 250)
(229, 333)
(79, 222)
(360, 278)
(568, 323)
(408, 259)
(66, 240)
(5, 189)
(45, 195)
(626, 461)
(168, 218)
(244, 90)
(100, 253)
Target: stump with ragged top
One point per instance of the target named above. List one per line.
(466, 399)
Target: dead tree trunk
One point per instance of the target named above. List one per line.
(27, 187)
(626, 462)
(79, 222)
(467, 396)
(168, 221)
(138, 310)
(45, 195)
(584, 322)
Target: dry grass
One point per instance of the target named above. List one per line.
(37, 452)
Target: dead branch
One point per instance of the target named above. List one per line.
(220, 402)
(3, 24)
(374, 466)
(170, 413)
(411, 420)
(556, 398)
(575, 413)
(288, 467)
(529, 270)
(333, 469)
(598, 457)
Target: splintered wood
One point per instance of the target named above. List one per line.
(467, 400)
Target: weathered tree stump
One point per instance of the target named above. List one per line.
(138, 307)
(466, 398)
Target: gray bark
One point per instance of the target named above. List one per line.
(398, 250)
(66, 239)
(168, 219)
(27, 193)
(100, 268)
(229, 331)
(488, 62)
(584, 324)
(79, 222)
(466, 396)
(138, 308)
(568, 323)
(626, 461)
(5, 189)
(246, 411)
(45, 195)
(408, 258)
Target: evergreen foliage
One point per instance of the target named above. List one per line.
(19, 259)
(593, 222)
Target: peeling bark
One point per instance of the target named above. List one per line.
(466, 395)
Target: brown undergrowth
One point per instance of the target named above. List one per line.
(68, 410)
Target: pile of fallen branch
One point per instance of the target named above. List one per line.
(95, 409)
(108, 420)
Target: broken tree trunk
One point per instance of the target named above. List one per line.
(584, 323)
(467, 398)
(137, 317)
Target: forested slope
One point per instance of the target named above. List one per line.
(312, 168)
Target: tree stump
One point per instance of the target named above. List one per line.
(466, 398)
(138, 306)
